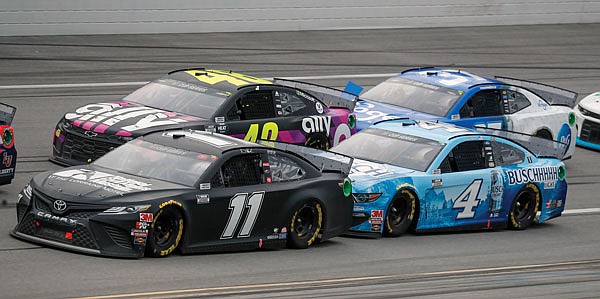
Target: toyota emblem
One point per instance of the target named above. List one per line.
(60, 205)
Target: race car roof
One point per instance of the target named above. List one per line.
(198, 141)
(437, 131)
(455, 79)
(227, 81)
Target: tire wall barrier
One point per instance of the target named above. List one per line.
(68, 17)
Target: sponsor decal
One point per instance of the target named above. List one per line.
(142, 225)
(284, 230)
(139, 232)
(7, 159)
(496, 191)
(455, 116)
(273, 237)
(316, 123)
(375, 227)
(220, 119)
(104, 115)
(437, 183)
(369, 169)
(532, 174)
(170, 202)
(98, 179)
(6, 171)
(319, 107)
(146, 217)
(139, 241)
(202, 199)
(205, 186)
(282, 236)
(47, 216)
(306, 96)
(376, 217)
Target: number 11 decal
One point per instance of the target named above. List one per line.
(237, 205)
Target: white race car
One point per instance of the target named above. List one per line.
(588, 121)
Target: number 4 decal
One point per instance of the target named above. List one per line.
(468, 200)
(237, 205)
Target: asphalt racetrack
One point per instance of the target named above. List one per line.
(47, 76)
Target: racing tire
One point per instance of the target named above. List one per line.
(400, 214)
(305, 225)
(524, 208)
(165, 232)
(318, 141)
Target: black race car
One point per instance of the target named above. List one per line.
(189, 190)
(224, 102)
(8, 152)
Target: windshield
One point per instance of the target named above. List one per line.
(151, 160)
(383, 146)
(414, 95)
(179, 96)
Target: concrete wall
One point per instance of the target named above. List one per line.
(57, 17)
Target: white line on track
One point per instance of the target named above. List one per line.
(581, 211)
(111, 84)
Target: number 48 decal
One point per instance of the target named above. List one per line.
(237, 205)
(468, 200)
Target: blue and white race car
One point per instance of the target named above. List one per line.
(470, 100)
(432, 176)
(588, 121)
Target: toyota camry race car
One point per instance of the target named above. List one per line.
(8, 152)
(224, 102)
(189, 190)
(432, 176)
(469, 100)
(588, 121)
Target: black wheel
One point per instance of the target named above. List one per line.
(524, 207)
(544, 134)
(400, 214)
(305, 225)
(165, 232)
(318, 141)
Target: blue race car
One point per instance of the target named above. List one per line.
(432, 176)
(470, 100)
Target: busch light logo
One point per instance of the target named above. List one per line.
(497, 187)
(532, 174)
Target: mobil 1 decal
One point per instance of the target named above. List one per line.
(99, 117)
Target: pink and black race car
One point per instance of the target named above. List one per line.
(224, 102)
(8, 152)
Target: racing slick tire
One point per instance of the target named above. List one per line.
(524, 208)
(165, 232)
(400, 214)
(318, 141)
(305, 225)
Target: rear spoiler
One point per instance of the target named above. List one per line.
(552, 95)
(329, 96)
(7, 114)
(321, 159)
(540, 147)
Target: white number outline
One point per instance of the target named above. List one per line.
(237, 205)
(464, 200)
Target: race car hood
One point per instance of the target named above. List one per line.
(94, 185)
(365, 174)
(591, 102)
(128, 119)
(369, 112)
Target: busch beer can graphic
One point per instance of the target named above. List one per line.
(496, 191)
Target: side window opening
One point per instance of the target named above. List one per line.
(515, 101)
(483, 103)
(466, 156)
(284, 169)
(505, 154)
(242, 170)
(291, 104)
(256, 104)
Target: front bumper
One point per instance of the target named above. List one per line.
(588, 134)
(82, 231)
(71, 146)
